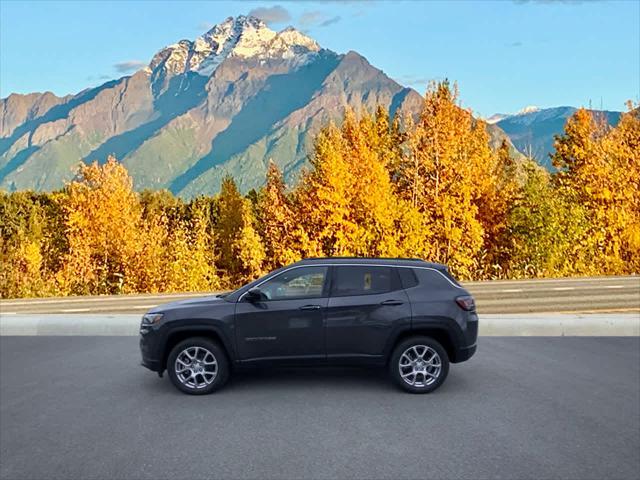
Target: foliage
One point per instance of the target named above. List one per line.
(241, 252)
(430, 188)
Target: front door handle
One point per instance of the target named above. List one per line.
(391, 302)
(310, 307)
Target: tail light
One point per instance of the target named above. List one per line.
(466, 302)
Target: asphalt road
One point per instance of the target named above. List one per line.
(580, 295)
(82, 408)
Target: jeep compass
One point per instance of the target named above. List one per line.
(407, 315)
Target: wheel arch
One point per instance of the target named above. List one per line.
(177, 335)
(441, 334)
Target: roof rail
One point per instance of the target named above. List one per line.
(364, 258)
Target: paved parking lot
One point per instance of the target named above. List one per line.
(81, 407)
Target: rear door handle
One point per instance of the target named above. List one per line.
(392, 302)
(310, 307)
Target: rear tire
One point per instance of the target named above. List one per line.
(198, 366)
(419, 364)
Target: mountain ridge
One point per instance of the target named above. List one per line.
(224, 103)
(532, 131)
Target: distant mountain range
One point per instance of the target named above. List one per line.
(224, 103)
(532, 129)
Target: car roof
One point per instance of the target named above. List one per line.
(401, 262)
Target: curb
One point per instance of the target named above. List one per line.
(559, 325)
(69, 325)
(514, 325)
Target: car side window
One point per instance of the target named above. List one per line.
(434, 280)
(363, 280)
(408, 277)
(304, 282)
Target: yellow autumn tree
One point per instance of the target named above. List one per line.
(23, 246)
(347, 201)
(596, 166)
(284, 238)
(495, 202)
(241, 253)
(190, 265)
(623, 148)
(446, 175)
(152, 258)
(102, 215)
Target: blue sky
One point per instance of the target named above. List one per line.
(504, 54)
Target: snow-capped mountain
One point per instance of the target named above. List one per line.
(532, 129)
(245, 37)
(223, 103)
(497, 117)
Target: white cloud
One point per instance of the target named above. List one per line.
(129, 66)
(317, 19)
(275, 14)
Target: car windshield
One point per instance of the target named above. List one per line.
(233, 295)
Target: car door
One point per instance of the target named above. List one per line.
(287, 324)
(367, 305)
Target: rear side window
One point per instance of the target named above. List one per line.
(408, 277)
(434, 279)
(447, 274)
(363, 280)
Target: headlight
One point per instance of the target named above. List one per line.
(151, 319)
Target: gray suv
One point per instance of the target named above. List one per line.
(407, 315)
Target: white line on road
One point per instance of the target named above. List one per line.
(613, 286)
(511, 290)
(564, 288)
(95, 309)
(602, 310)
(107, 298)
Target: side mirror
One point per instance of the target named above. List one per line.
(254, 295)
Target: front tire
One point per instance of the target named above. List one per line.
(419, 364)
(198, 366)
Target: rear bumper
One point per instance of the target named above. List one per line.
(468, 344)
(465, 353)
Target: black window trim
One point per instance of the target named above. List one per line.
(396, 282)
(326, 285)
(269, 277)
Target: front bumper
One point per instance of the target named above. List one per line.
(153, 365)
(150, 352)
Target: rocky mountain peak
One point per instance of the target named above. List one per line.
(241, 36)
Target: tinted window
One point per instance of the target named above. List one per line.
(433, 279)
(362, 280)
(304, 282)
(408, 277)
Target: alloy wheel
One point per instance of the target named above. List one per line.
(420, 366)
(196, 367)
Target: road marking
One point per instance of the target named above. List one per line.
(512, 290)
(95, 309)
(603, 310)
(106, 298)
(613, 286)
(564, 288)
(541, 281)
(8, 313)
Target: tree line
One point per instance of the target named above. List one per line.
(431, 188)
